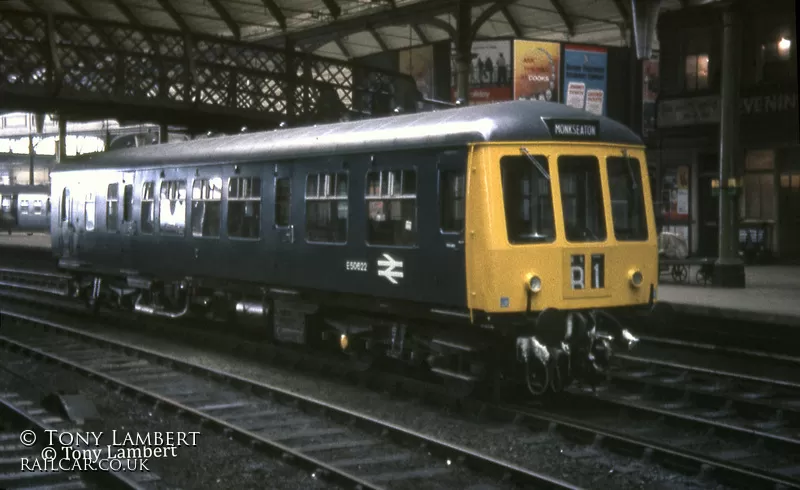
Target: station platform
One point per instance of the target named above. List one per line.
(23, 240)
(772, 296)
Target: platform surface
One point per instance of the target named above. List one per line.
(772, 295)
(23, 240)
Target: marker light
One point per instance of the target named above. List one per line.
(344, 342)
(534, 283)
(635, 277)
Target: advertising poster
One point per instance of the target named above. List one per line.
(418, 62)
(650, 81)
(490, 72)
(585, 78)
(675, 193)
(536, 70)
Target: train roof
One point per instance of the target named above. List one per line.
(24, 189)
(506, 121)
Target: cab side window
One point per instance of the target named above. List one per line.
(452, 202)
(392, 207)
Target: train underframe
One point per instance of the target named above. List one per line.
(541, 352)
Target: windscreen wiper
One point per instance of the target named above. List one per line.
(630, 169)
(533, 160)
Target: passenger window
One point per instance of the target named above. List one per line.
(37, 207)
(582, 199)
(127, 207)
(23, 206)
(451, 201)
(392, 207)
(88, 212)
(112, 207)
(326, 208)
(527, 200)
(172, 211)
(64, 203)
(627, 199)
(206, 207)
(283, 201)
(148, 209)
(244, 207)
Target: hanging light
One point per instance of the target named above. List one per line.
(784, 44)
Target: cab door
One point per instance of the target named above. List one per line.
(448, 250)
(285, 213)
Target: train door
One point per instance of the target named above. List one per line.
(128, 225)
(68, 232)
(450, 274)
(284, 216)
(205, 218)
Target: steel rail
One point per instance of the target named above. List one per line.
(502, 469)
(22, 418)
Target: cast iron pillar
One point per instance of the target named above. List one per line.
(729, 269)
(163, 133)
(463, 50)
(61, 154)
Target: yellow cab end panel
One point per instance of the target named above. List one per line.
(498, 272)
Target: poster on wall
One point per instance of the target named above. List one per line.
(585, 78)
(675, 193)
(536, 70)
(418, 62)
(650, 84)
(489, 74)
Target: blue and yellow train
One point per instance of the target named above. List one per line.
(484, 243)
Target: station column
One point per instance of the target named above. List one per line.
(463, 49)
(729, 268)
(61, 154)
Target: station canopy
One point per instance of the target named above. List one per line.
(349, 29)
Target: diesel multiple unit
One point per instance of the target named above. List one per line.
(485, 243)
(24, 208)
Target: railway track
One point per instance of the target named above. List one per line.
(339, 445)
(21, 415)
(716, 441)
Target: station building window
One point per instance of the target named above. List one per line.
(392, 207)
(89, 211)
(757, 202)
(244, 207)
(172, 210)
(696, 72)
(283, 201)
(148, 217)
(326, 208)
(452, 186)
(206, 207)
(112, 207)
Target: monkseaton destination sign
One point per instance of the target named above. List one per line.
(572, 129)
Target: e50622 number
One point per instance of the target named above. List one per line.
(355, 265)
